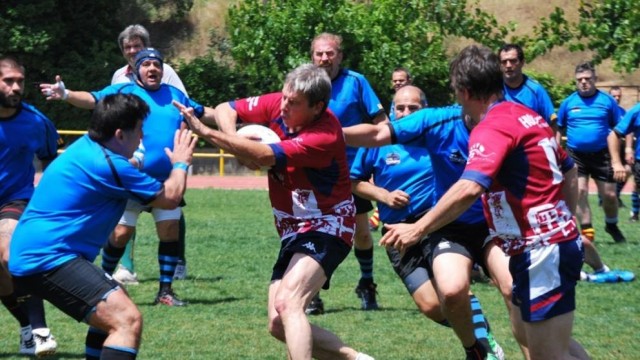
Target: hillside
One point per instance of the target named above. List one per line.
(209, 14)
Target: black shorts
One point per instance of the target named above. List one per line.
(329, 251)
(594, 164)
(75, 287)
(412, 267)
(13, 209)
(363, 206)
(465, 239)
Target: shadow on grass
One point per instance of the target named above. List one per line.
(188, 278)
(196, 301)
(359, 310)
(58, 355)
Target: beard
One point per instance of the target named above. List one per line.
(10, 101)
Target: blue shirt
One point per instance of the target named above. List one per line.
(588, 120)
(26, 134)
(353, 101)
(631, 123)
(442, 131)
(159, 127)
(75, 207)
(398, 167)
(532, 95)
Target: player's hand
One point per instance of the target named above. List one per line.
(629, 156)
(56, 91)
(619, 173)
(183, 145)
(194, 123)
(401, 236)
(397, 199)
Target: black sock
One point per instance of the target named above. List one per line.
(365, 260)
(121, 353)
(11, 303)
(93, 343)
(182, 235)
(110, 257)
(167, 259)
(34, 307)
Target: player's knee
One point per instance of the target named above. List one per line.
(276, 329)
(131, 321)
(454, 297)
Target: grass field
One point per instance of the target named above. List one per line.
(231, 247)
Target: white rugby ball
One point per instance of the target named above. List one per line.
(266, 135)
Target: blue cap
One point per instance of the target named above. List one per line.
(146, 54)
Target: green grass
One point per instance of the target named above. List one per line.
(231, 247)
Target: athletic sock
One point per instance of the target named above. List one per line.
(118, 353)
(365, 259)
(588, 231)
(93, 343)
(182, 235)
(635, 203)
(167, 259)
(127, 260)
(110, 257)
(11, 303)
(34, 308)
(611, 220)
(480, 324)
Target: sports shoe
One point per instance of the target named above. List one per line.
(27, 343)
(125, 277)
(616, 234)
(367, 294)
(634, 217)
(169, 298)
(496, 349)
(45, 343)
(315, 307)
(611, 276)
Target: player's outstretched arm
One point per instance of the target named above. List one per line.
(174, 187)
(368, 135)
(57, 91)
(226, 118)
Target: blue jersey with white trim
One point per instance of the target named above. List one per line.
(532, 95)
(353, 101)
(26, 134)
(404, 167)
(443, 132)
(159, 127)
(75, 207)
(588, 120)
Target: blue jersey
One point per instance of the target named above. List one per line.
(588, 120)
(398, 167)
(631, 123)
(353, 101)
(26, 134)
(75, 207)
(442, 131)
(159, 127)
(532, 95)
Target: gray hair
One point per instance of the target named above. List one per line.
(134, 31)
(311, 81)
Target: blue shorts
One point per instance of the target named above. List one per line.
(544, 280)
(329, 251)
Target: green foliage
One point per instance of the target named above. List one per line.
(269, 38)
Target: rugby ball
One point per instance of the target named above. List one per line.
(266, 135)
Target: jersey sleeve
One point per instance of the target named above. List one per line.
(546, 106)
(258, 109)
(49, 148)
(488, 147)
(561, 120)
(362, 166)
(369, 99)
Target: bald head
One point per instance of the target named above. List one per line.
(408, 99)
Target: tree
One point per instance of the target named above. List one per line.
(269, 38)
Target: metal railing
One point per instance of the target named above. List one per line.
(221, 155)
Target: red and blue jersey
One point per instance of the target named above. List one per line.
(309, 185)
(514, 155)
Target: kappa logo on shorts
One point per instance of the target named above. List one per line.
(310, 246)
(444, 245)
